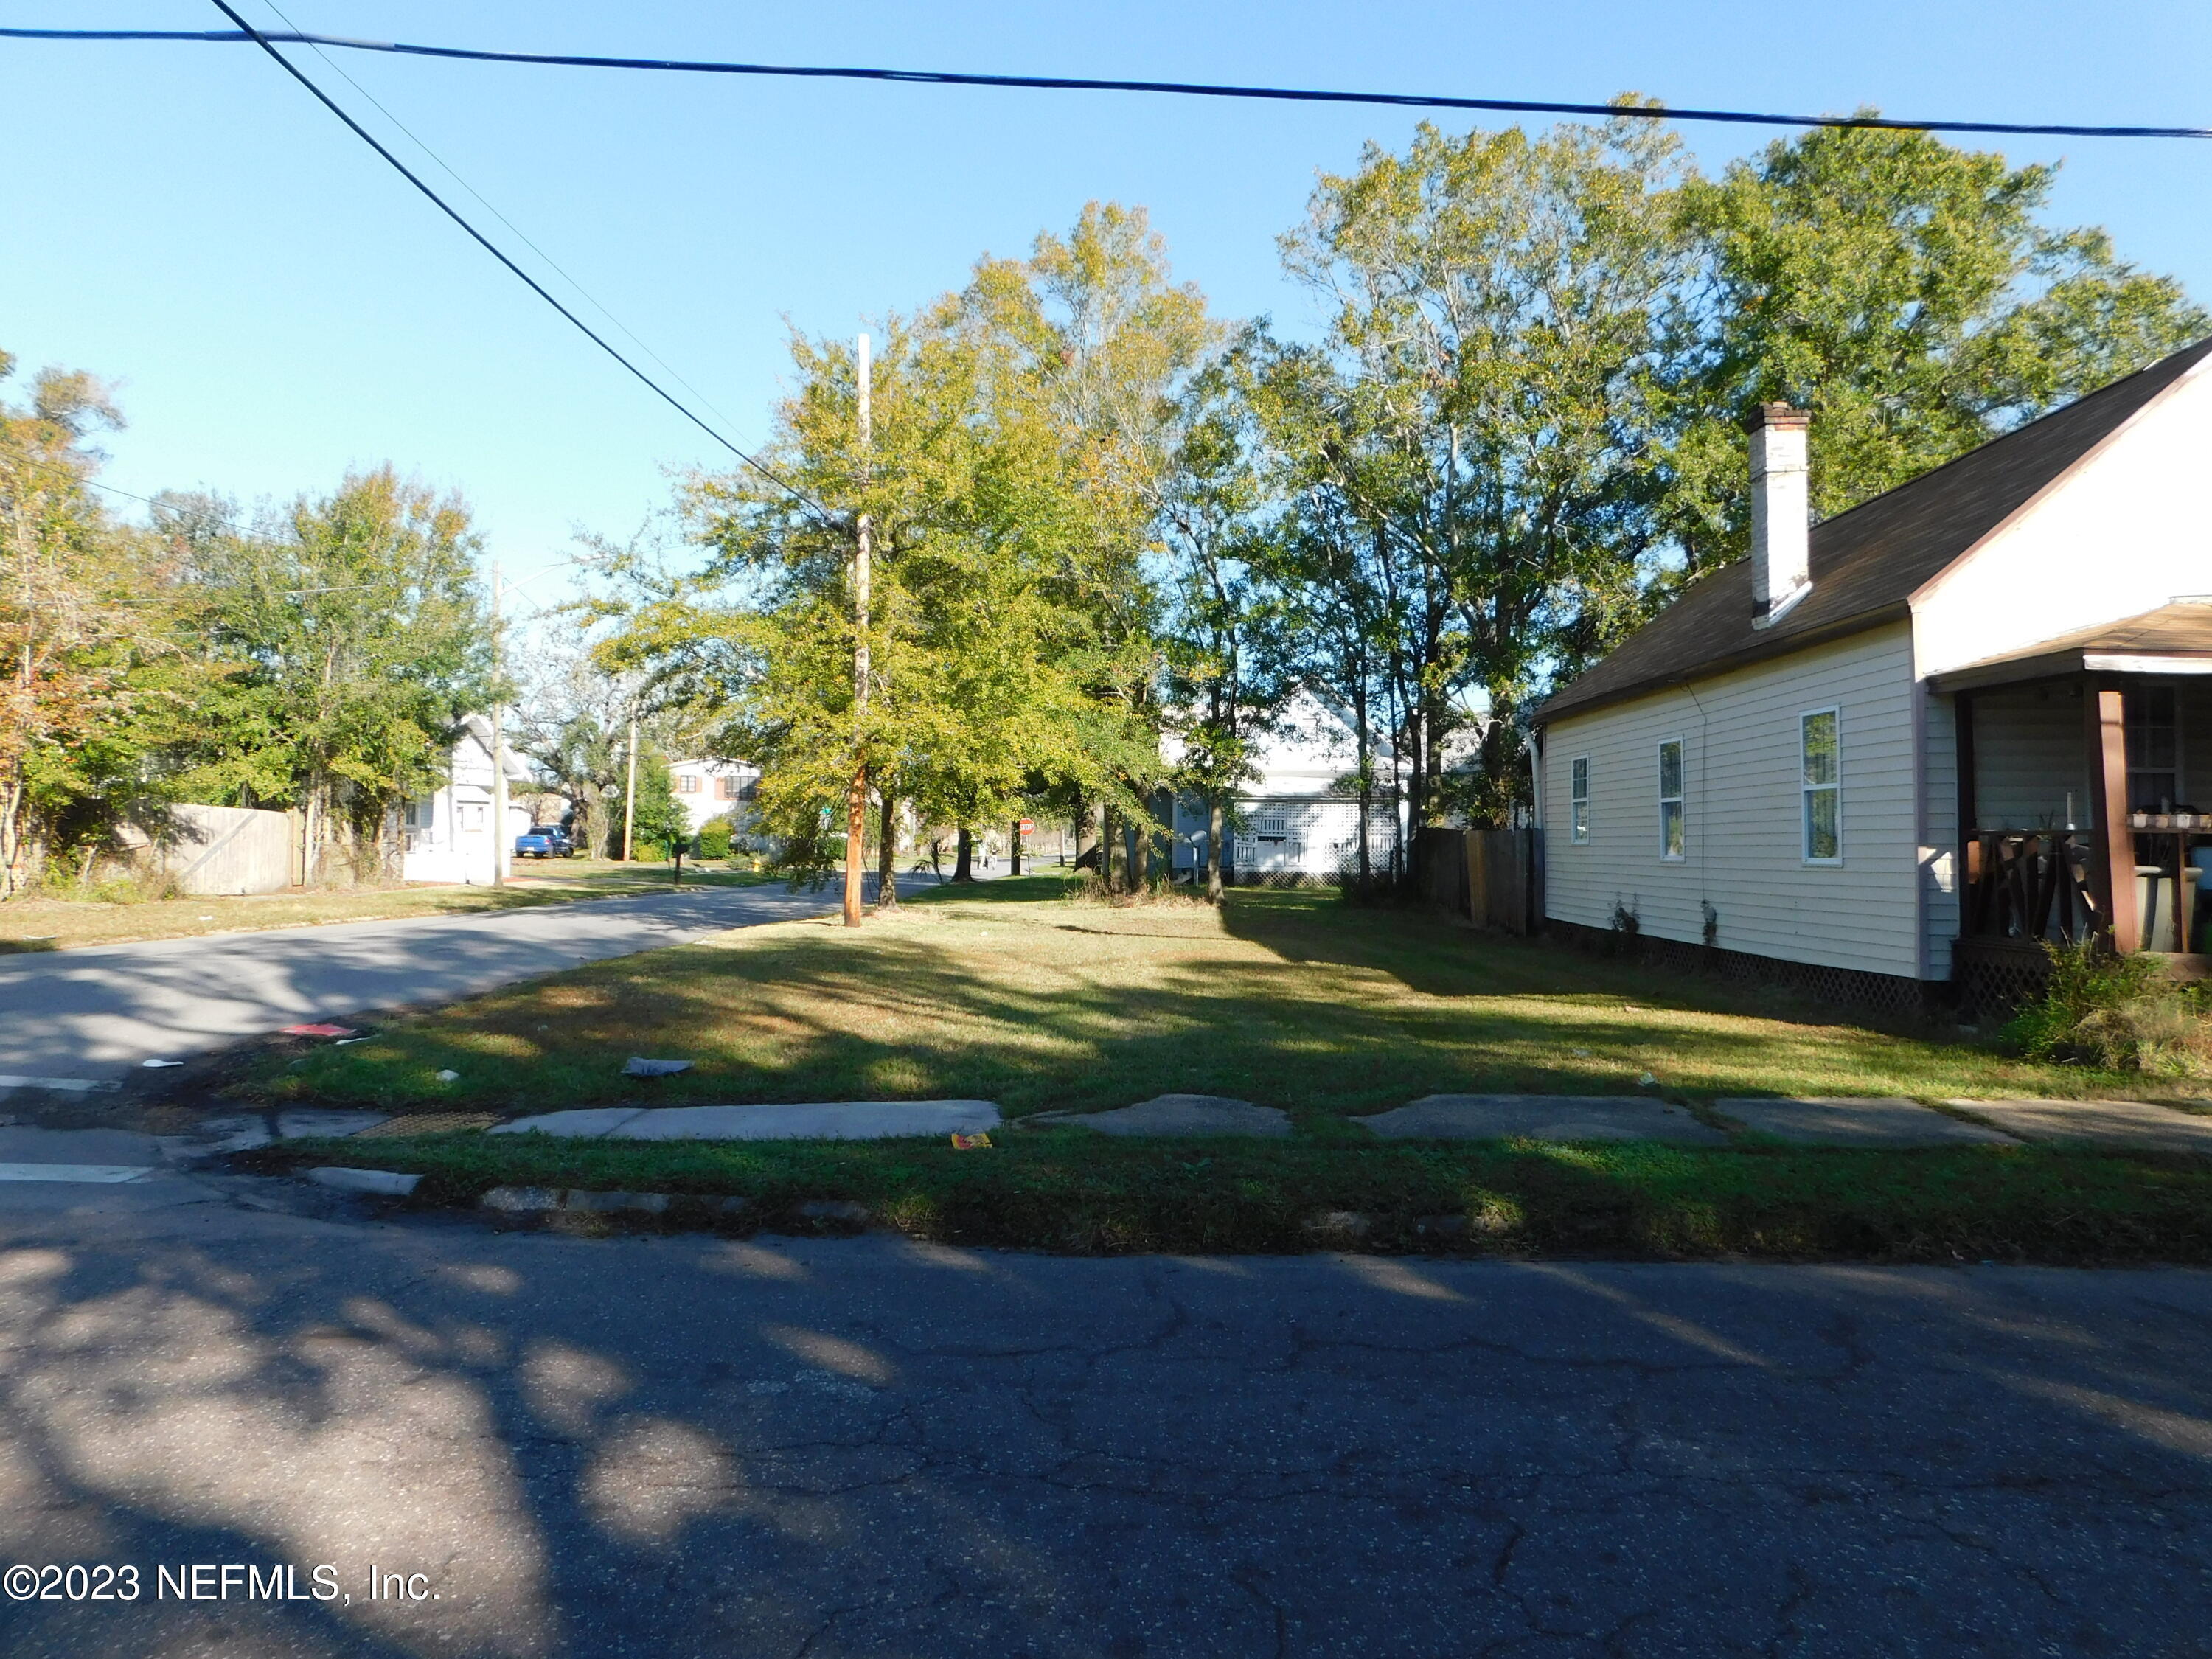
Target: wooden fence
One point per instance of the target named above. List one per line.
(229, 849)
(1492, 877)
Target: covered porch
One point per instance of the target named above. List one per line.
(2085, 791)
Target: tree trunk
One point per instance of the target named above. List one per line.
(1107, 820)
(964, 864)
(1366, 775)
(1216, 821)
(887, 856)
(1014, 848)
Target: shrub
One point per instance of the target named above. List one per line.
(713, 841)
(2116, 1012)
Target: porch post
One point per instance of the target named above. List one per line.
(1968, 876)
(2112, 877)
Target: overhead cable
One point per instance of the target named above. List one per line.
(1077, 83)
(535, 286)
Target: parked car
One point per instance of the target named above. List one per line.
(544, 841)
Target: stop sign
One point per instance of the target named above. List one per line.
(1028, 825)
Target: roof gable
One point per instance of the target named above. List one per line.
(1868, 563)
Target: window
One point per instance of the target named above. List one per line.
(1821, 771)
(725, 788)
(2154, 769)
(748, 788)
(469, 815)
(420, 814)
(687, 783)
(1578, 802)
(1671, 836)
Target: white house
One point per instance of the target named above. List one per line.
(1295, 822)
(448, 835)
(714, 788)
(1969, 714)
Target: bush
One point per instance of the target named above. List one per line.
(713, 841)
(2117, 1013)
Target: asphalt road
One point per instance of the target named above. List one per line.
(98, 1012)
(691, 1446)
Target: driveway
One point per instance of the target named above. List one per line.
(94, 1014)
(686, 1447)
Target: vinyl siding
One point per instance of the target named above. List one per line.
(2030, 760)
(1742, 803)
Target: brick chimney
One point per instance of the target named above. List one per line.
(1781, 511)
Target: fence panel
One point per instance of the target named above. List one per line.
(229, 849)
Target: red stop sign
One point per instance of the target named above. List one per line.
(1028, 825)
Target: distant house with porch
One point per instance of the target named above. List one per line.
(449, 835)
(1913, 740)
(1296, 821)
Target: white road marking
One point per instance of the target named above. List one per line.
(75, 1084)
(107, 1172)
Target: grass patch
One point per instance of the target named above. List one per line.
(1071, 1190)
(1015, 992)
(42, 923)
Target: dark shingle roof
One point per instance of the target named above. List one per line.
(1868, 563)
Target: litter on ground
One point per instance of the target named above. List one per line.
(449, 1077)
(318, 1031)
(970, 1143)
(151, 1065)
(640, 1067)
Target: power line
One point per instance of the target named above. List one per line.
(492, 207)
(498, 253)
(1074, 83)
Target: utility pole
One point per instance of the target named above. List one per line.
(629, 791)
(502, 844)
(856, 797)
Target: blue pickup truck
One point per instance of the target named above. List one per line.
(543, 841)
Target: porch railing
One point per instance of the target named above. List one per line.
(2029, 884)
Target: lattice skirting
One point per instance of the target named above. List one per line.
(1890, 994)
(1996, 976)
(1284, 879)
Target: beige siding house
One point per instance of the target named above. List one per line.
(1909, 743)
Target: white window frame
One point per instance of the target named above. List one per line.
(1807, 789)
(1578, 812)
(1679, 801)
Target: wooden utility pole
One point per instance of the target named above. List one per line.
(856, 797)
(502, 845)
(629, 791)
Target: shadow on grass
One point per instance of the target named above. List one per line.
(1055, 1015)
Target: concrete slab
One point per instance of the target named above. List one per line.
(581, 1124)
(1182, 1115)
(2117, 1125)
(108, 1173)
(1848, 1121)
(384, 1184)
(1542, 1117)
(832, 1119)
(314, 1121)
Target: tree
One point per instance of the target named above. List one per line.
(366, 639)
(1906, 292)
(659, 818)
(1222, 655)
(1502, 311)
(99, 685)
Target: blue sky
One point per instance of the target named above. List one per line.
(278, 306)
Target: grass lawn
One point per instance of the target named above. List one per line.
(42, 924)
(1013, 992)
